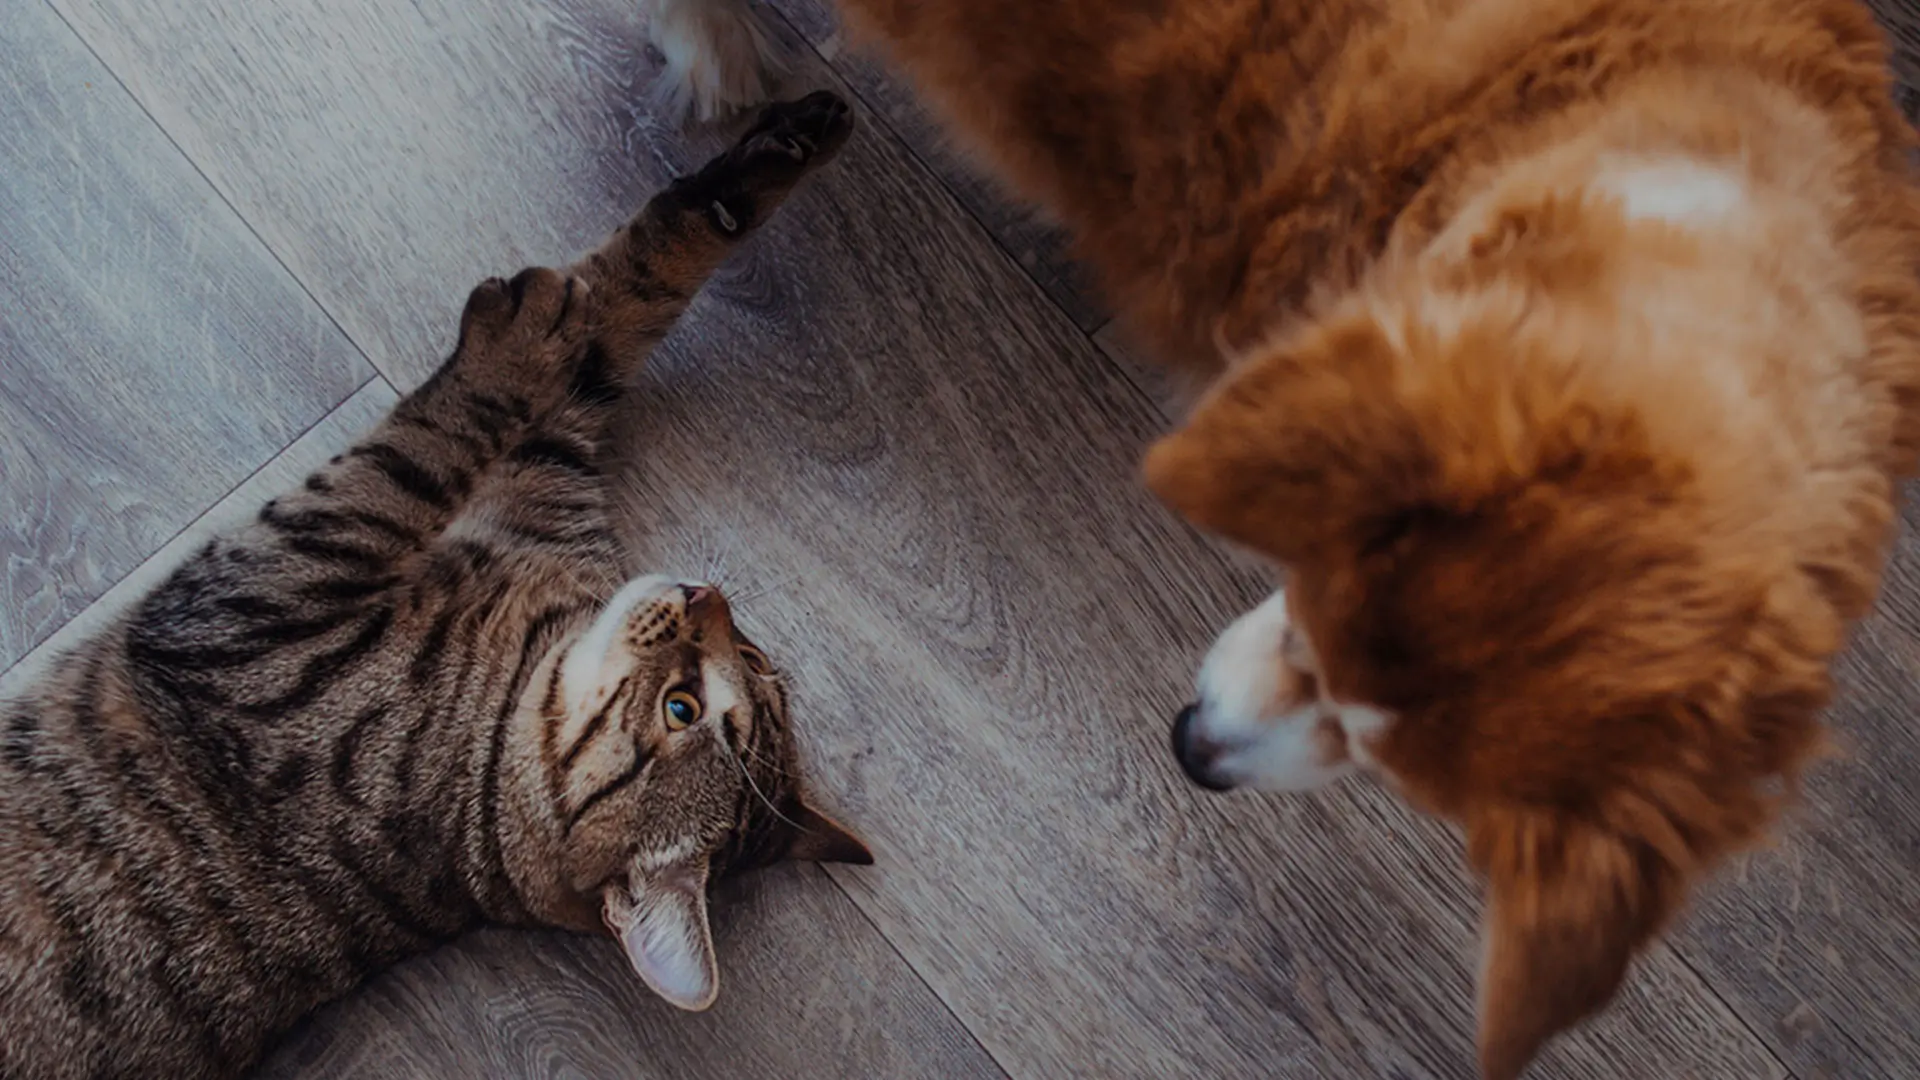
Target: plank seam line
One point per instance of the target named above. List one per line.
(219, 193)
(195, 520)
(945, 1006)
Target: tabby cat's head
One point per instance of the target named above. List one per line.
(668, 757)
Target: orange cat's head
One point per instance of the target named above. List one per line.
(1553, 571)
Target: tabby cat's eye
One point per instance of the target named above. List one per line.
(682, 709)
(757, 661)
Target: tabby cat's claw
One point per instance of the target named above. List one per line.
(738, 189)
(809, 131)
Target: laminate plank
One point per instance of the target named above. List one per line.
(808, 988)
(154, 354)
(393, 154)
(918, 476)
(1902, 20)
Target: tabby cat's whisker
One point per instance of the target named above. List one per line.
(764, 763)
(720, 560)
(747, 775)
(766, 589)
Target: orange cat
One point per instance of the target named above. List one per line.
(1567, 356)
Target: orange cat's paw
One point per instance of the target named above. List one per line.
(719, 58)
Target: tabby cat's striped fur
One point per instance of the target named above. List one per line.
(410, 699)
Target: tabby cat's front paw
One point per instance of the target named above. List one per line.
(807, 132)
(524, 331)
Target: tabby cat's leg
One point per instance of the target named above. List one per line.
(520, 341)
(522, 388)
(644, 277)
(546, 493)
(719, 56)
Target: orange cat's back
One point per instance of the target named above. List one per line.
(1497, 389)
(1219, 163)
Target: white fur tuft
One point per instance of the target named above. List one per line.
(720, 59)
(1258, 705)
(1679, 191)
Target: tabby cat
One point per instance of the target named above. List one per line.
(411, 699)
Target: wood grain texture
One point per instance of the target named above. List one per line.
(395, 153)
(333, 434)
(1814, 942)
(1038, 246)
(151, 352)
(1902, 20)
(808, 988)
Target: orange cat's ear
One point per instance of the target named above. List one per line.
(1570, 904)
(819, 838)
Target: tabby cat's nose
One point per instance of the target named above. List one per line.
(704, 601)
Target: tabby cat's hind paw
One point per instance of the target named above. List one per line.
(804, 134)
(792, 138)
(719, 58)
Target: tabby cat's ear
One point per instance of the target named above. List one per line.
(819, 838)
(661, 919)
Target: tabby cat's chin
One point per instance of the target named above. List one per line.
(583, 671)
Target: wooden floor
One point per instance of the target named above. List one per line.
(231, 231)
